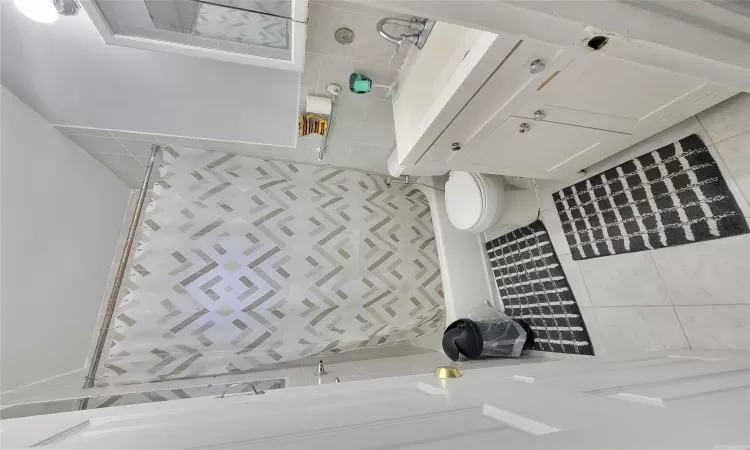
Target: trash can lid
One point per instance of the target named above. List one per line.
(462, 337)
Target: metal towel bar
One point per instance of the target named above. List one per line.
(255, 391)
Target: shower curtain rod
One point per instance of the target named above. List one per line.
(100, 341)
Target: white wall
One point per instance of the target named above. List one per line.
(65, 72)
(61, 216)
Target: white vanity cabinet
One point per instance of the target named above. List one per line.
(547, 112)
(598, 91)
(523, 147)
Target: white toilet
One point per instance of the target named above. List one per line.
(478, 202)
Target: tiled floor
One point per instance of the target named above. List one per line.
(695, 296)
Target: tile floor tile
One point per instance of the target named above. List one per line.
(736, 155)
(710, 272)
(575, 279)
(716, 327)
(629, 279)
(594, 329)
(551, 221)
(728, 118)
(634, 330)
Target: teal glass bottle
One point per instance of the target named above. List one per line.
(359, 84)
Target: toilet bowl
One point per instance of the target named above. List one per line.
(478, 202)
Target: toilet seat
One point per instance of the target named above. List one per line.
(472, 201)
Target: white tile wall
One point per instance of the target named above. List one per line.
(692, 296)
(126, 167)
(100, 144)
(360, 119)
(125, 154)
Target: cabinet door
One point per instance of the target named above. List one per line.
(598, 91)
(546, 150)
(508, 84)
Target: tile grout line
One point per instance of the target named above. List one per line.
(359, 124)
(593, 309)
(556, 215)
(322, 5)
(131, 153)
(715, 142)
(724, 167)
(127, 153)
(669, 296)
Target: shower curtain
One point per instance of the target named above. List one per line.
(244, 262)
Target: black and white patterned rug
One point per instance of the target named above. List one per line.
(674, 195)
(533, 287)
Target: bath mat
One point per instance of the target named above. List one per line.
(533, 287)
(674, 195)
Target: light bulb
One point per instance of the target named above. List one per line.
(39, 10)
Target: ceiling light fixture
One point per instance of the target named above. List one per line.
(66, 7)
(46, 11)
(43, 11)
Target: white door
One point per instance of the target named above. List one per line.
(529, 148)
(581, 403)
(598, 91)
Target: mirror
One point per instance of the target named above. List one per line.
(268, 33)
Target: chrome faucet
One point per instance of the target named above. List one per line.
(321, 369)
(421, 27)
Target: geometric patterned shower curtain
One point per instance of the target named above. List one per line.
(245, 262)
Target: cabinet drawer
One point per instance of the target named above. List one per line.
(538, 149)
(598, 91)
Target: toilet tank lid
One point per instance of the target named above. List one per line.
(464, 200)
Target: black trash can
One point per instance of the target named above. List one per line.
(499, 336)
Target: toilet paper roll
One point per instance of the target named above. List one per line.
(319, 105)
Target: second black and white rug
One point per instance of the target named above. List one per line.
(533, 287)
(674, 195)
